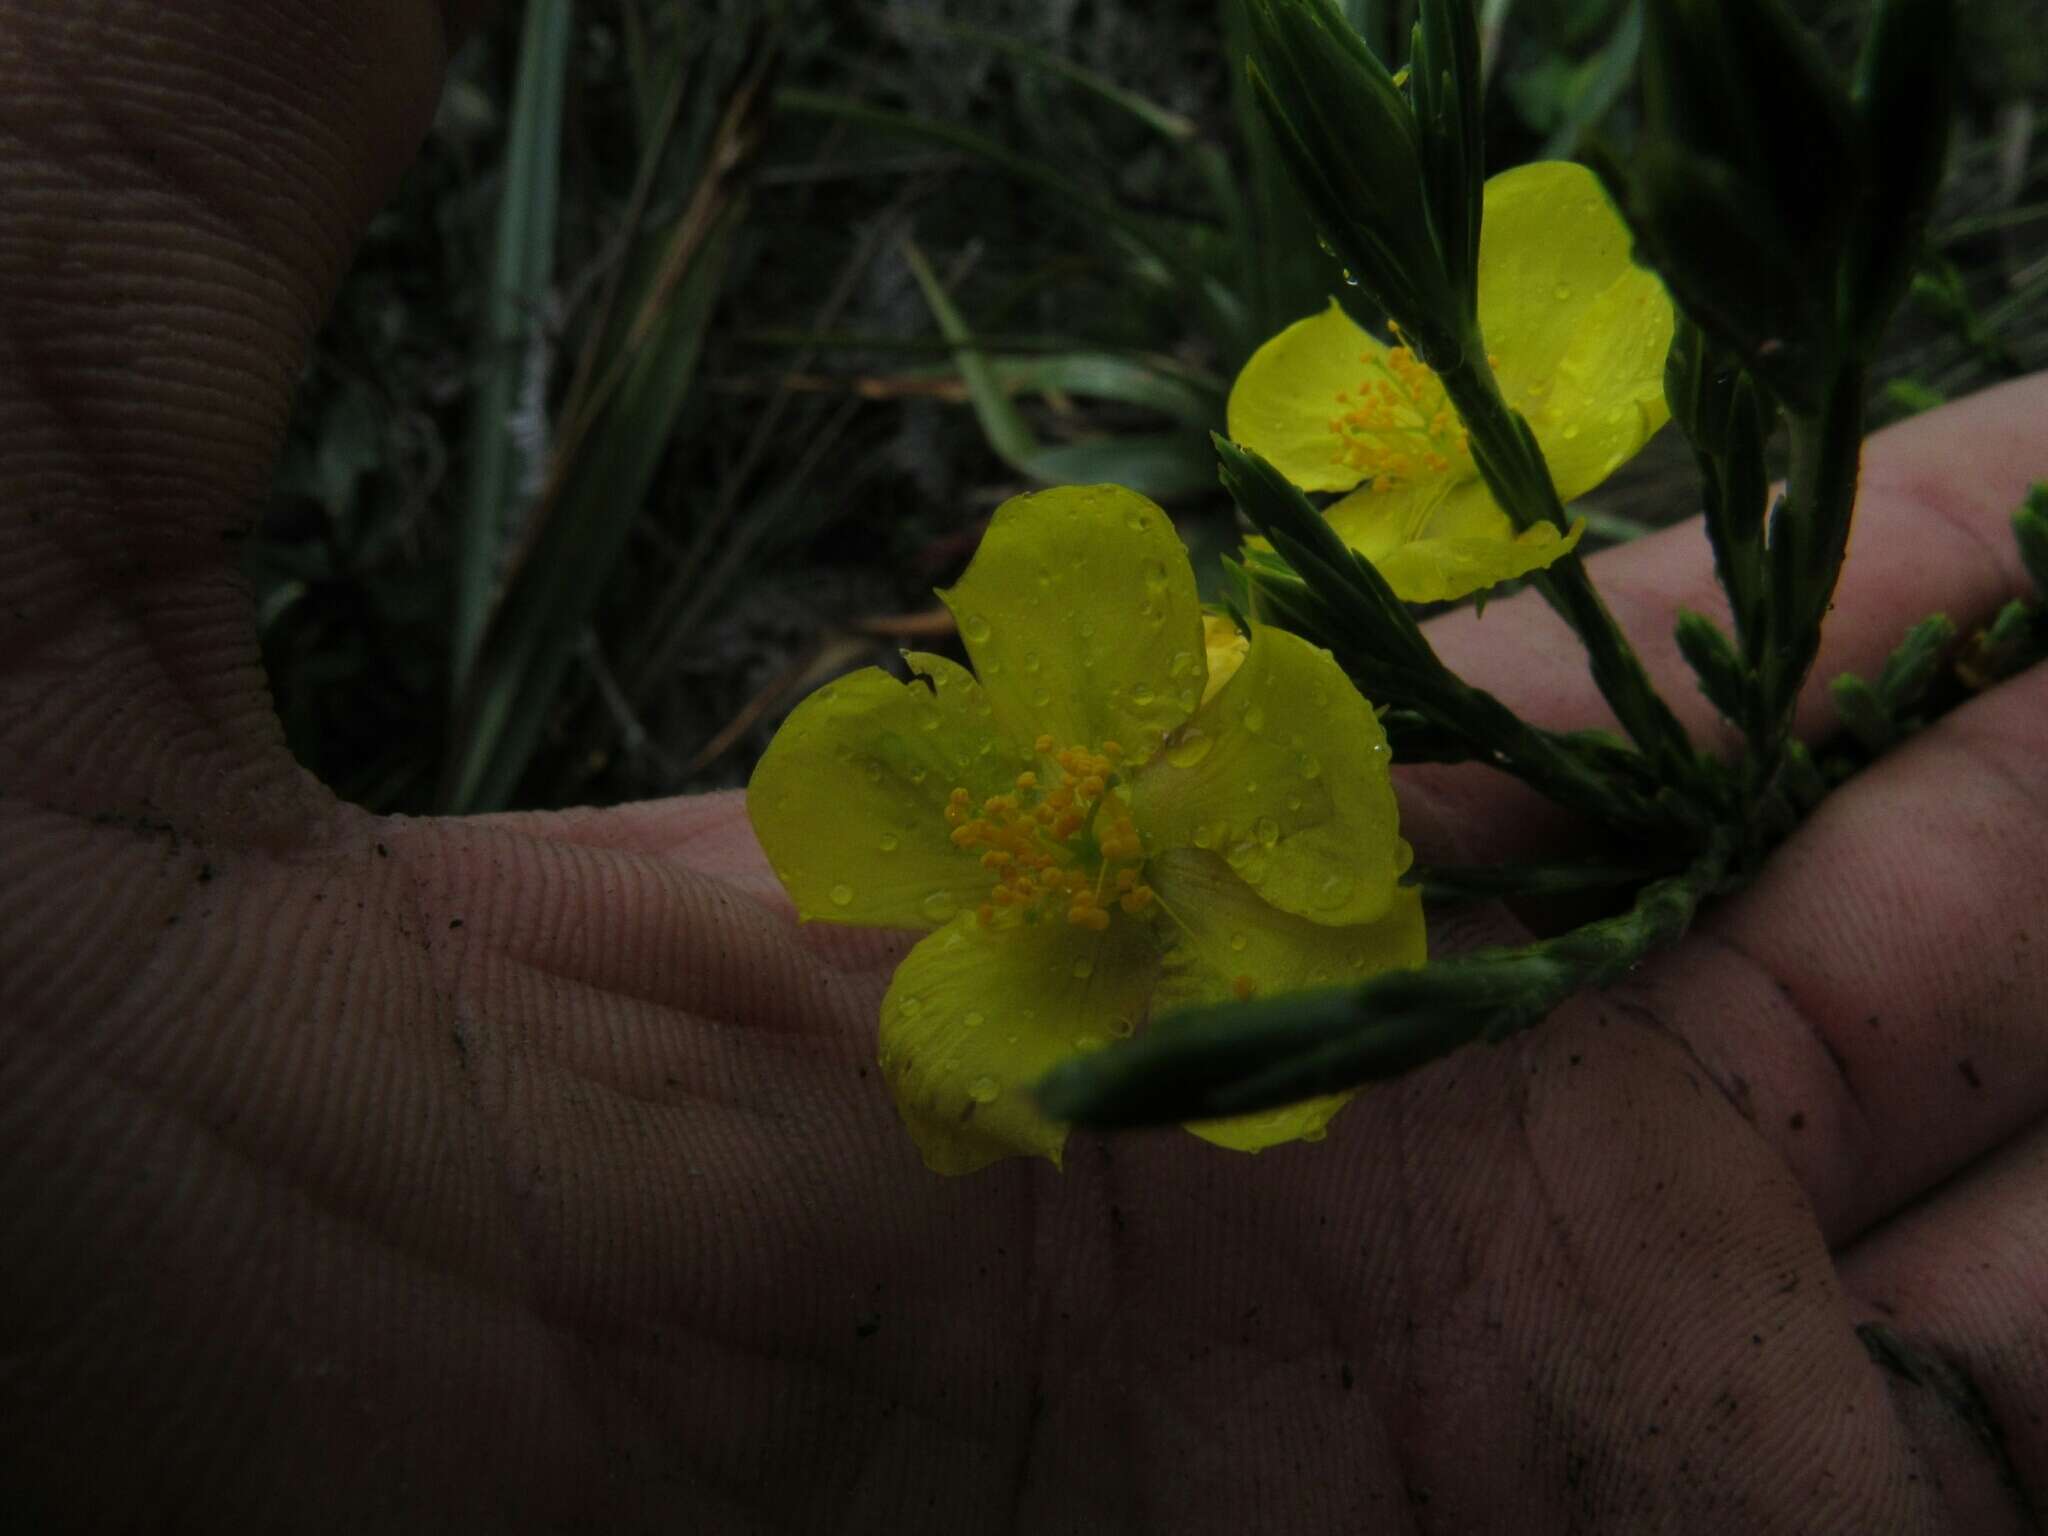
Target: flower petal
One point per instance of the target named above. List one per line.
(1284, 773)
(1283, 400)
(1228, 932)
(975, 1016)
(1461, 544)
(1225, 647)
(1080, 615)
(849, 800)
(1577, 330)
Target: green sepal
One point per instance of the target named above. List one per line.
(1904, 92)
(1727, 683)
(2030, 528)
(1864, 713)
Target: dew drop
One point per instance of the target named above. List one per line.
(983, 1090)
(974, 627)
(1183, 664)
(911, 1006)
(1041, 698)
(973, 1020)
(891, 842)
(1237, 941)
(1294, 802)
(1404, 855)
(1083, 968)
(928, 721)
(1155, 575)
(1334, 892)
(1135, 520)
(1207, 836)
(1571, 430)
(1031, 661)
(1141, 694)
(1315, 1133)
(1269, 831)
(1310, 765)
(1193, 746)
(939, 906)
(842, 895)
(1254, 718)
(1121, 1028)
(1086, 629)
(1561, 292)
(1087, 1043)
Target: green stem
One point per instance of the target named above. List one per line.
(1809, 537)
(1505, 451)
(1239, 1058)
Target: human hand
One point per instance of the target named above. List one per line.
(375, 1174)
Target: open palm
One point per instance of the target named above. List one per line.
(533, 1170)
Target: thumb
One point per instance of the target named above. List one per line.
(181, 189)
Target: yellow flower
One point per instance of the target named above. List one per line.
(1577, 335)
(1123, 813)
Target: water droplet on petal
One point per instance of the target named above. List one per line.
(1193, 746)
(1571, 430)
(891, 842)
(1087, 1043)
(973, 1020)
(1269, 831)
(1561, 292)
(1121, 1028)
(1155, 575)
(1237, 941)
(1254, 718)
(1083, 968)
(973, 627)
(842, 895)
(939, 906)
(911, 1006)
(1031, 661)
(1135, 520)
(1334, 892)
(1315, 1133)
(984, 1090)
(1141, 694)
(1310, 766)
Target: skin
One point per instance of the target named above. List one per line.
(365, 1173)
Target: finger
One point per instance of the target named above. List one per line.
(1932, 534)
(1873, 1001)
(1955, 1294)
(180, 186)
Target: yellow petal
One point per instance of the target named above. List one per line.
(1283, 773)
(1285, 397)
(849, 800)
(1232, 944)
(1080, 616)
(1577, 331)
(1460, 544)
(1225, 646)
(975, 1016)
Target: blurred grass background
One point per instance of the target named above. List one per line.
(702, 338)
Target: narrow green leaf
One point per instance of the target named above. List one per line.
(503, 456)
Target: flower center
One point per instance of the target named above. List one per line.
(1397, 425)
(1067, 845)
